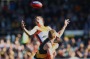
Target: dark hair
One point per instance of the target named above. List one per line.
(51, 34)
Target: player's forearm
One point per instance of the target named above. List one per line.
(26, 31)
(51, 57)
(62, 31)
(50, 54)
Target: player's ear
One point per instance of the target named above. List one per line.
(54, 36)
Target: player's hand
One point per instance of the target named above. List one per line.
(66, 22)
(23, 24)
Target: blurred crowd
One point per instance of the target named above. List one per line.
(68, 48)
(16, 49)
(72, 48)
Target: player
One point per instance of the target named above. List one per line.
(40, 31)
(48, 48)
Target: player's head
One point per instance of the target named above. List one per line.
(39, 20)
(52, 34)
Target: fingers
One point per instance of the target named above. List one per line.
(68, 23)
(67, 20)
(22, 21)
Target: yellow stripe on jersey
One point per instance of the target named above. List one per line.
(38, 55)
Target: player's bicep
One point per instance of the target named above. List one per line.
(31, 32)
(48, 46)
(49, 52)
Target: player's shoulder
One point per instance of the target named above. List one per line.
(36, 27)
(48, 27)
(57, 45)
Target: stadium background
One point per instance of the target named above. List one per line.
(76, 38)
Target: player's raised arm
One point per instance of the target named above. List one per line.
(31, 32)
(63, 29)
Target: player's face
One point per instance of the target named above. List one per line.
(39, 20)
(55, 34)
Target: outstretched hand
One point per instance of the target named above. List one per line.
(66, 22)
(23, 24)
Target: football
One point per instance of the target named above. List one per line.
(36, 4)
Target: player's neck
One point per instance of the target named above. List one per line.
(40, 25)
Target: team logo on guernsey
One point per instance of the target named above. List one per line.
(43, 35)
